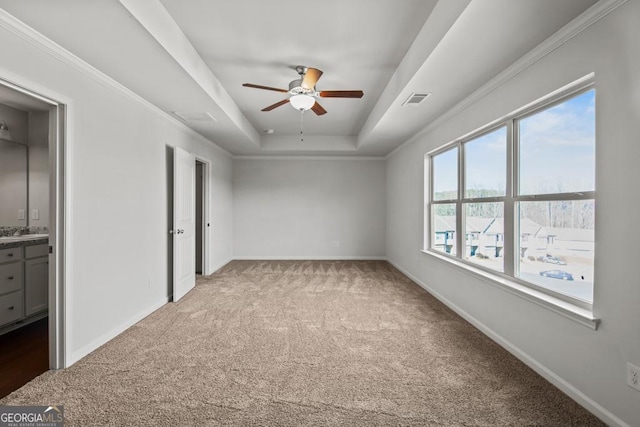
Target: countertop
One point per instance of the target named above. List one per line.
(24, 240)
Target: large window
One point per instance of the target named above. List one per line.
(518, 198)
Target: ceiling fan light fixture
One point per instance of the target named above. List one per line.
(303, 94)
(302, 102)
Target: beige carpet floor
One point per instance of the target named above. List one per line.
(303, 343)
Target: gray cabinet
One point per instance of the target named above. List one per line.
(24, 284)
(11, 285)
(36, 283)
(11, 307)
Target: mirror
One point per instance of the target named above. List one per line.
(13, 184)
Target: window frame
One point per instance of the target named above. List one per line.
(511, 198)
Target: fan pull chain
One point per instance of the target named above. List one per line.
(301, 122)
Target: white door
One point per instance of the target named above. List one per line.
(184, 223)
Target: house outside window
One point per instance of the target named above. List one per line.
(518, 197)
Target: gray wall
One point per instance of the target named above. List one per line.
(32, 130)
(13, 168)
(590, 365)
(39, 168)
(117, 205)
(117, 246)
(309, 208)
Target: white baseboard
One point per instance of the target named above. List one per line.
(108, 336)
(218, 266)
(310, 258)
(567, 388)
(104, 338)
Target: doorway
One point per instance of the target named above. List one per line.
(35, 230)
(203, 216)
(200, 215)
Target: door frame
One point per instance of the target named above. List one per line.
(60, 137)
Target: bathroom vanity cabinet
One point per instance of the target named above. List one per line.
(24, 278)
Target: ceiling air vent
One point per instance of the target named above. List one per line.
(195, 116)
(415, 99)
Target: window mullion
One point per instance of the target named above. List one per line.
(584, 195)
(484, 199)
(460, 226)
(510, 244)
(428, 217)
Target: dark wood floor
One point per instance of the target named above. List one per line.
(24, 354)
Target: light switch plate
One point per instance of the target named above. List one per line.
(20, 213)
(35, 214)
(633, 376)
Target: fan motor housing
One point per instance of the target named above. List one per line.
(295, 88)
(295, 85)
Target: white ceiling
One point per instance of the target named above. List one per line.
(194, 56)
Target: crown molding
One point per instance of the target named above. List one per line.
(38, 40)
(157, 21)
(267, 157)
(559, 38)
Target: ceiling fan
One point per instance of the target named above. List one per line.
(304, 94)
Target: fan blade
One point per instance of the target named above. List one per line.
(276, 105)
(311, 77)
(317, 108)
(341, 94)
(265, 87)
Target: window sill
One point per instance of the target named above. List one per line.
(578, 314)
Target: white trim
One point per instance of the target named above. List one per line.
(60, 196)
(571, 307)
(309, 258)
(562, 384)
(25, 32)
(573, 312)
(160, 25)
(267, 157)
(32, 88)
(63, 230)
(114, 332)
(559, 38)
(568, 90)
(218, 266)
